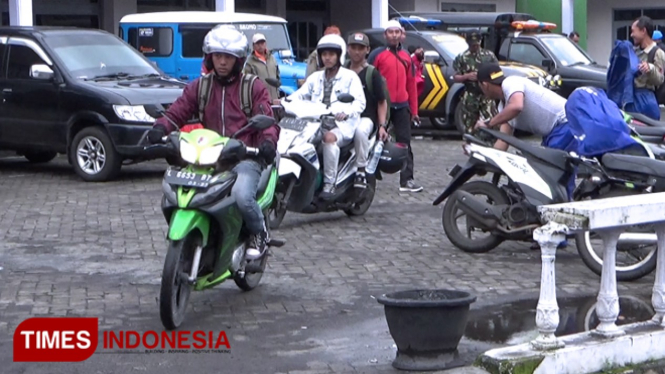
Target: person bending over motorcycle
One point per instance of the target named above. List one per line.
(529, 107)
(225, 51)
(323, 87)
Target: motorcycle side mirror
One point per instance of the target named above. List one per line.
(345, 98)
(261, 122)
(273, 82)
(153, 110)
(258, 122)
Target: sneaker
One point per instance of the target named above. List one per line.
(257, 246)
(410, 186)
(360, 181)
(328, 191)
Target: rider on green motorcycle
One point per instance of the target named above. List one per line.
(225, 51)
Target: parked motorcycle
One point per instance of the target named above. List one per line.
(301, 164)
(538, 176)
(206, 235)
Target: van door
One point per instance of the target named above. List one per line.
(157, 43)
(30, 106)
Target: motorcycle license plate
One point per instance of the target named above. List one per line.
(185, 178)
(294, 124)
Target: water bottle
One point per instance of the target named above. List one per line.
(376, 156)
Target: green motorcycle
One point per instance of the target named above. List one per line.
(207, 238)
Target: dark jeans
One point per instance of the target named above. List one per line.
(562, 138)
(401, 119)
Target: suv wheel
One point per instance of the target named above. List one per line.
(40, 157)
(93, 155)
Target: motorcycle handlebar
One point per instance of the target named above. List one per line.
(252, 151)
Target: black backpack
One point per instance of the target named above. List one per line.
(660, 91)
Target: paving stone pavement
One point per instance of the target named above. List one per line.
(69, 248)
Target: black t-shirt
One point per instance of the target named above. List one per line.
(372, 105)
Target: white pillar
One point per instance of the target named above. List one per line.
(379, 13)
(567, 16)
(658, 297)
(20, 12)
(547, 312)
(225, 6)
(607, 306)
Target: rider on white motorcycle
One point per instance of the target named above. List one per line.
(323, 87)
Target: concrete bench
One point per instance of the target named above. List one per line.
(608, 346)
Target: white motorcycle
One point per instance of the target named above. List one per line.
(300, 148)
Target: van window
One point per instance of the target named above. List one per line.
(526, 53)
(151, 41)
(192, 36)
(21, 58)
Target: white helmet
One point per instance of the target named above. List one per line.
(332, 42)
(226, 39)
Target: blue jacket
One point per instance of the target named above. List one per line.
(621, 73)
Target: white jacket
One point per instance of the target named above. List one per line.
(346, 81)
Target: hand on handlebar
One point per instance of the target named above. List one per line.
(341, 116)
(156, 134)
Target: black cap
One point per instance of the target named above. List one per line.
(490, 72)
(473, 37)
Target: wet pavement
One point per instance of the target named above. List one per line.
(69, 248)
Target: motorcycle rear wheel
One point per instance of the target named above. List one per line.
(175, 289)
(450, 217)
(593, 259)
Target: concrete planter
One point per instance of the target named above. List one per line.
(427, 326)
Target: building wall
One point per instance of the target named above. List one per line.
(435, 5)
(551, 11)
(600, 24)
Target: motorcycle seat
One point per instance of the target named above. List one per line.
(647, 120)
(650, 131)
(552, 156)
(263, 181)
(634, 164)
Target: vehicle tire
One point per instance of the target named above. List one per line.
(250, 281)
(457, 118)
(40, 157)
(277, 211)
(359, 208)
(439, 123)
(175, 289)
(497, 197)
(594, 261)
(93, 155)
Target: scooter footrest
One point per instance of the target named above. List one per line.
(276, 242)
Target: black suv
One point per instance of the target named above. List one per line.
(78, 92)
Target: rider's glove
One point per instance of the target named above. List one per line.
(156, 134)
(268, 151)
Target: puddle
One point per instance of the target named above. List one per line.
(515, 323)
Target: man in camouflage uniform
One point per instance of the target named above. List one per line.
(474, 103)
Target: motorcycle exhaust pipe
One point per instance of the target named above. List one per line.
(487, 215)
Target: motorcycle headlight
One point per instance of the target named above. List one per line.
(210, 155)
(187, 152)
(134, 113)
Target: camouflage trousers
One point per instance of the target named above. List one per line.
(473, 107)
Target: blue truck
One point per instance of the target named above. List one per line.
(173, 40)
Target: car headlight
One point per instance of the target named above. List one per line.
(135, 113)
(210, 155)
(188, 152)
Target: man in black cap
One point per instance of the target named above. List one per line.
(474, 104)
(526, 106)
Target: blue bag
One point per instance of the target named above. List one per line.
(597, 121)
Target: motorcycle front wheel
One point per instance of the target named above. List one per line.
(454, 215)
(175, 288)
